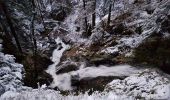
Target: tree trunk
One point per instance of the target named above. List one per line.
(35, 75)
(3, 8)
(94, 15)
(85, 18)
(109, 16)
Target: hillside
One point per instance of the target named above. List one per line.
(84, 49)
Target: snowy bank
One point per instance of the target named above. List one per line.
(147, 84)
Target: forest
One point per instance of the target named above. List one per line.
(84, 49)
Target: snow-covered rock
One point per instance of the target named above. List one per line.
(147, 84)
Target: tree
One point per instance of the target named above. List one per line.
(109, 15)
(3, 9)
(34, 39)
(94, 14)
(85, 19)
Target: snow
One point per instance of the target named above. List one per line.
(131, 42)
(11, 73)
(48, 8)
(53, 95)
(111, 50)
(148, 84)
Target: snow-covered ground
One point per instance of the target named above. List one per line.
(55, 95)
(147, 84)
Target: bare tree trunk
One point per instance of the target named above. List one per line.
(109, 16)
(3, 8)
(94, 15)
(85, 19)
(34, 41)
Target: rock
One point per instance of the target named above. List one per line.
(93, 84)
(105, 59)
(128, 32)
(165, 25)
(58, 15)
(149, 9)
(119, 28)
(147, 84)
(2, 90)
(45, 78)
(67, 68)
(36, 74)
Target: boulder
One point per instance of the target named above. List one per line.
(105, 59)
(44, 78)
(2, 90)
(93, 84)
(67, 68)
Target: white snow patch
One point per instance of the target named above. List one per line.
(48, 8)
(131, 42)
(55, 95)
(148, 84)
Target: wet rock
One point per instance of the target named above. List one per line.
(44, 62)
(45, 78)
(93, 84)
(67, 68)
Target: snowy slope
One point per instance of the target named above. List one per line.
(147, 84)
